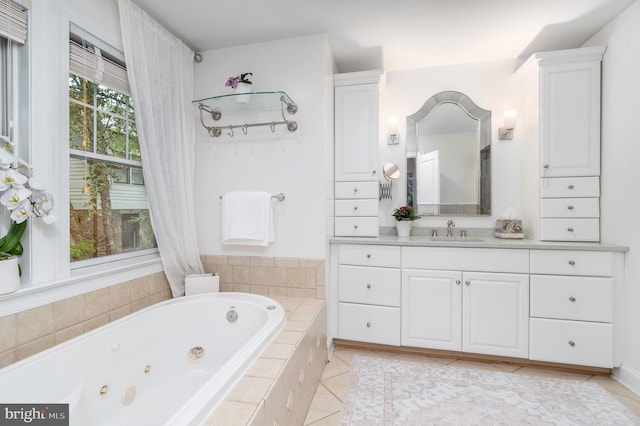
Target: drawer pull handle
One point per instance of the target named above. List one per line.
(570, 229)
(458, 282)
(570, 186)
(467, 282)
(355, 189)
(572, 343)
(355, 207)
(569, 207)
(572, 263)
(573, 299)
(355, 227)
(368, 285)
(373, 172)
(368, 256)
(368, 325)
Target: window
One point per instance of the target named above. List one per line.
(109, 211)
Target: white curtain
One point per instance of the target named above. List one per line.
(160, 70)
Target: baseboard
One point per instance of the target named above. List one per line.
(627, 377)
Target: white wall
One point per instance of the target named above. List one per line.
(620, 200)
(293, 163)
(491, 86)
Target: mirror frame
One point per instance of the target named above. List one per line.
(473, 110)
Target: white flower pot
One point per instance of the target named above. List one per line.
(403, 227)
(10, 275)
(244, 88)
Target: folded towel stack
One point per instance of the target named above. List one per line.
(247, 218)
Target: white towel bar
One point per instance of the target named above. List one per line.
(279, 197)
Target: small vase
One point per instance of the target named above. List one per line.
(10, 274)
(403, 227)
(244, 88)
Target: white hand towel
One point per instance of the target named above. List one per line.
(247, 218)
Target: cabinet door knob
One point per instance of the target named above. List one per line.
(572, 343)
(355, 227)
(368, 285)
(572, 263)
(355, 207)
(467, 282)
(570, 186)
(570, 207)
(355, 189)
(373, 172)
(546, 166)
(458, 282)
(571, 298)
(368, 324)
(570, 229)
(368, 255)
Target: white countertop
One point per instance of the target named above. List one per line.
(478, 242)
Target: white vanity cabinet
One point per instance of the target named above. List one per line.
(572, 307)
(369, 294)
(483, 307)
(561, 140)
(356, 153)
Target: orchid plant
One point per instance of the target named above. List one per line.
(242, 78)
(22, 195)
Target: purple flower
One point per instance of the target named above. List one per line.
(232, 82)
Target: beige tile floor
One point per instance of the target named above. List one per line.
(327, 402)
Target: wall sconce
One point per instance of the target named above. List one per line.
(393, 138)
(506, 132)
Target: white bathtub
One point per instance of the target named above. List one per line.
(170, 363)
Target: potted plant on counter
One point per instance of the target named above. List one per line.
(405, 216)
(23, 197)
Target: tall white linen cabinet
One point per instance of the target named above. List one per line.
(561, 144)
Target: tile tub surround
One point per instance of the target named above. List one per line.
(28, 332)
(269, 276)
(278, 387)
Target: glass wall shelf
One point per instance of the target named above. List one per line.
(237, 102)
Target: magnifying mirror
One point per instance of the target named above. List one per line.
(390, 171)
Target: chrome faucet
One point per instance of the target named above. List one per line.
(450, 225)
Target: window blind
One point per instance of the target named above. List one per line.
(89, 62)
(13, 21)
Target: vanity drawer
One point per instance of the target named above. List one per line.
(468, 259)
(370, 286)
(570, 230)
(571, 187)
(356, 226)
(571, 298)
(368, 207)
(366, 323)
(568, 262)
(569, 207)
(571, 342)
(366, 255)
(349, 190)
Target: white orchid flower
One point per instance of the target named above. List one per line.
(6, 157)
(14, 198)
(50, 216)
(36, 185)
(22, 213)
(14, 178)
(44, 202)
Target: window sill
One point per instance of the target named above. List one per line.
(82, 280)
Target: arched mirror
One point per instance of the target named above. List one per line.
(449, 157)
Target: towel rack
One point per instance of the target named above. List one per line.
(279, 197)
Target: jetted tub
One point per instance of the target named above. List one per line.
(170, 363)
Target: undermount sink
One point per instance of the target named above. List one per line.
(456, 239)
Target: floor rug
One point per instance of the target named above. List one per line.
(405, 393)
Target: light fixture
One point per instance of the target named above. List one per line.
(506, 132)
(393, 138)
